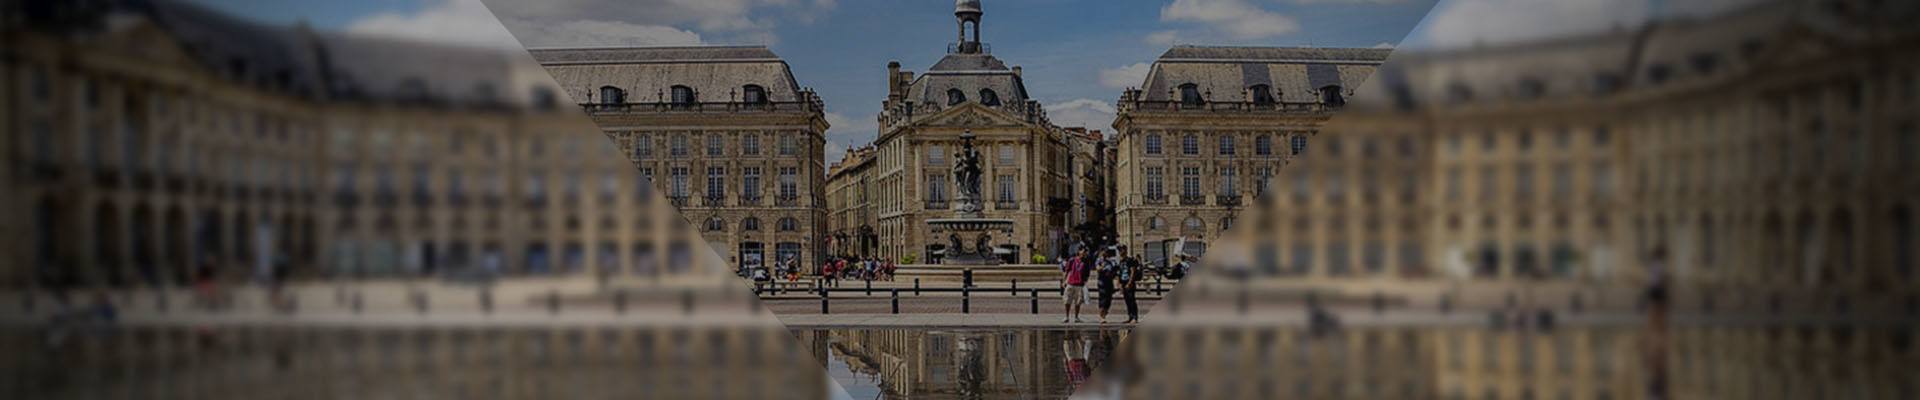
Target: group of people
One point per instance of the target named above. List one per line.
(1113, 270)
(857, 268)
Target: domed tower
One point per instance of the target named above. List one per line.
(967, 13)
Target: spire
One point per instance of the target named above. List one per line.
(967, 14)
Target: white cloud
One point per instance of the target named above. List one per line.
(1385, 45)
(724, 21)
(1163, 38)
(1459, 23)
(608, 33)
(1236, 18)
(1088, 113)
(1126, 76)
(844, 132)
(445, 21)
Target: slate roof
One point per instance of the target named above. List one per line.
(716, 73)
(1224, 73)
(969, 73)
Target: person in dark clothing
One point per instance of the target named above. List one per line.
(1129, 275)
(1108, 269)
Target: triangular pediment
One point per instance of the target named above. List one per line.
(971, 115)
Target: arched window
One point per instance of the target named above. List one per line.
(612, 95)
(1332, 97)
(1261, 94)
(988, 97)
(753, 94)
(955, 96)
(1194, 225)
(1190, 95)
(683, 95)
(789, 225)
(750, 224)
(1156, 224)
(716, 224)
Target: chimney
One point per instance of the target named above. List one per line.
(893, 80)
(1016, 70)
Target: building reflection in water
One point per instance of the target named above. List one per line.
(325, 361)
(1005, 364)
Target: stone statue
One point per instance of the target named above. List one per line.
(966, 169)
(982, 246)
(953, 246)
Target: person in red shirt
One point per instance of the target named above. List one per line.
(1073, 285)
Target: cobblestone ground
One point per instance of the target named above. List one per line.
(937, 305)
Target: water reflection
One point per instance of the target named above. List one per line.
(916, 364)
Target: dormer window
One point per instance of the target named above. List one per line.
(754, 94)
(610, 95)
(955, 97)
(1190, 95)
(1261, 94)
(988, 97)
(1332, 97)
(683, 95)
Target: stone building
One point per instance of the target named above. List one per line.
(1763, 151)
(1024, 155)
(1207, 129)
(849, 206)
(724, 132)
(177, 138)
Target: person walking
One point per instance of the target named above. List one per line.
(1106, 272)
(1129, 278)
(1073, 286)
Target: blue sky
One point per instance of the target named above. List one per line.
(1077, 54)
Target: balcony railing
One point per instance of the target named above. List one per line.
(714, 201)
(1135, 100)
(1193, 200)
(786, 201)
(1227, 200)
(1006, 205)
(936, 204)
(749, 200)
(678, 201)
(1154, 199)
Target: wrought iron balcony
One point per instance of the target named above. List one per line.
(1193, 200)
(1006, 205)
(786, 201)
(749, 200)
(936, 204)
(1155, 199)
(678, 201)
(1227, 200)
(714, 201)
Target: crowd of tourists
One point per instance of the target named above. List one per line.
(852, 268)
(1112, 270)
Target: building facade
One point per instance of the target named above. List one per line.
(724, 132)
(1024, 156)
(1203, 135)
(178, 139)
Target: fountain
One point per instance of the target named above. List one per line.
(969, 224)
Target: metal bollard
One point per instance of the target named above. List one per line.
(869, 287)
(357, 302)
(1240, 300)
(966, 278)
(420, 302)
(966, 300)
(486, 300)
(916, 286)
(823, 301)
(1034, 302)
(1379, 302)
(553, 301)
(896, 301)
(1015, 291)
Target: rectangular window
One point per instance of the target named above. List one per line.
(936, 187)
(1373, 256)
(750, 144)
(642, 146)
(1190, 182)
(536, 185)
(1602, 180)
(1336, 186)
(1297, 144)
(789, 182)
(1523, 181)
(936, 154)
(1338, 259)
(679, 176)
(1488, 186)
(1227, 145)
(716, 182)
(750, 182)
(1156, 182)
(1006, 155)
(1153, 144)
(1190, 144)
(678, 146)
(1006, 184)
(1562, 181)
(1263, 180)
(1412, 261)
(1302, 262)
(716, 145)
(789, 145)
(1453, 184)
(1263, 145)
(1229, 181)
